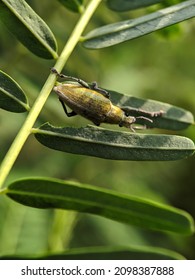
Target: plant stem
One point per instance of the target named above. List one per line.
(61, 230)
(25, 130)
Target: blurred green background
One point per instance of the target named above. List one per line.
(158, 66)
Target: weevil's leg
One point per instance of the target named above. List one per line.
(129, 110)
(134, 127)
(157, 113)
(69, 114)
(54, 71)
(104, 92)
(81, 82)
(97, 123)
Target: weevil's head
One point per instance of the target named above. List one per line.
(127, 121)
(130, 122)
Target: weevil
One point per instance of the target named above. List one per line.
(93, 103)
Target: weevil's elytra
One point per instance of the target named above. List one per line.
(94, 104)
(85, 102)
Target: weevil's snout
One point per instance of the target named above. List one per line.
(127, 121)
(130, 122)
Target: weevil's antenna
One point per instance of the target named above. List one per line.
(134, 127)
(144, 118)
(129, 110)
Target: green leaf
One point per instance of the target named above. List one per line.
(125, 5)
(12, 97)
(73, 5)
(174, 118)
(105, 253)
(53, 193)
(116, 145)
(119, 32)
(28, 27)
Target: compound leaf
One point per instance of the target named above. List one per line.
(112, 144)
(54, 193)
(105, 253)
(125, 5)
(28, 27)
(119, 32)
(12, 97)
(73, 5)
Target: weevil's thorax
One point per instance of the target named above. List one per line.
(117, 116)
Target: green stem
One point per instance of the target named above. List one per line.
(61, 231)
(25, 130)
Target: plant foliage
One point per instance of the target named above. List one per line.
(44, 192)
